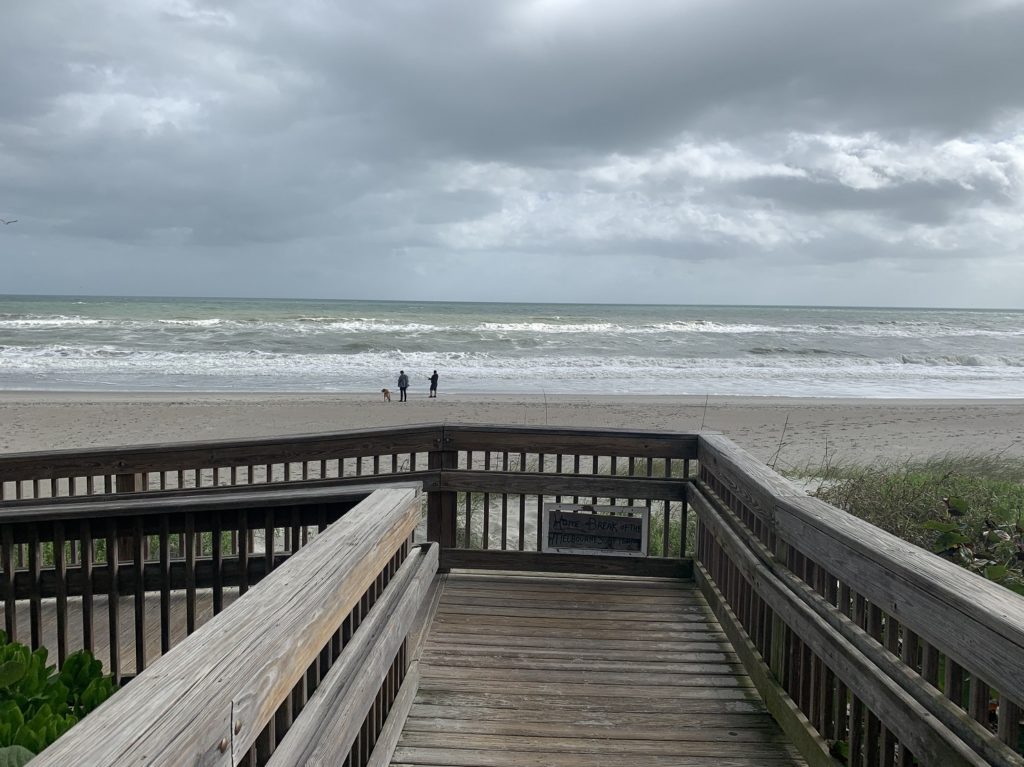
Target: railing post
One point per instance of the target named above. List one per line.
(441, 504)
(127, 483)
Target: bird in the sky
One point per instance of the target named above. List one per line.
(12, 221)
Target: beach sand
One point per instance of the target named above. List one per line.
(849, 430)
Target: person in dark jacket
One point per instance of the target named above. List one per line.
(403, 384)
(433, 384)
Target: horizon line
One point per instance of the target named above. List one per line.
(495, 302)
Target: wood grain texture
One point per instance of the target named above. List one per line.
(907, 718)
(520, 689)
(535, 561)
(330, 720)
(240, 666)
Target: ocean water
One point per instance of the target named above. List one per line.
(248, 345)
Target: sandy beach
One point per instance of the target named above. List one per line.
(850, 430)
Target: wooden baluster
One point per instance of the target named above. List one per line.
(504, 507)
(576, 471)
(294, 531)
(165, 583)
(954, 682)
(113, 602)
(139, 540)
(217, 552)
(10, 603)
(1009, 722)
(245, 537)
(88, 615)
(35, 599)
(978, 700)
(61, 573)
(929, 663)
(487, 506)
(190, 573)
(269, 531)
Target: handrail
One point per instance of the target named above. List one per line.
(486, 484)
(210, 700)
(912, 613)
(209, 545)
(91, 471)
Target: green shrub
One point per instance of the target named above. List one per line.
(968, 509)
(38, 704)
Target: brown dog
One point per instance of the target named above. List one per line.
(387, 394)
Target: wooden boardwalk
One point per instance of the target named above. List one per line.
(537, 671)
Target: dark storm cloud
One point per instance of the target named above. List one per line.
(919, 202)
(294, 137)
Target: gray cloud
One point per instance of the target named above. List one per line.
(284, 149)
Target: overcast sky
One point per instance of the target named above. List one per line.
(868, 152)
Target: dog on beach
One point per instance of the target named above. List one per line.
(387, 394)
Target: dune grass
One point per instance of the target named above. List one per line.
(968, 509)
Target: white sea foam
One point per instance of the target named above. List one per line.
(339, 346)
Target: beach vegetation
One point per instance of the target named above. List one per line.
(967, 509)
(39, 704)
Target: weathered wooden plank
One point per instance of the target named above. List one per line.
(577, 693)
(694, 632)
(920, 590)
(330, 720)
(442, 651)
(220, 453)
(901, 713)
(438, 715)
(757, 486)
(529, 483)
(596, 623)
(676, 614)
(919, 687)
(579, 585)
(571, 440)
(242, 664)
(607, 665)
(638, 747)
(534, 561)
(698, 641)
(420, 757)
(587, 705)
(713, 677)
(387, 741)
(198, 502)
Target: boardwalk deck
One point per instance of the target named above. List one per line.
(537, 670)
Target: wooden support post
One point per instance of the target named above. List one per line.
(128, 483)
(441, 504)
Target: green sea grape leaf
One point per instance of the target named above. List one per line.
(11, 672)
(996, 572)
(956, 505)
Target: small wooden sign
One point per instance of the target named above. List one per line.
(611, 531)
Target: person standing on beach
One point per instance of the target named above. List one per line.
(403, 384)
(433, 385)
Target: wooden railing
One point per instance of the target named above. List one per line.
(199, 551)
(304, 668)
(867, 648)
(486, 485)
